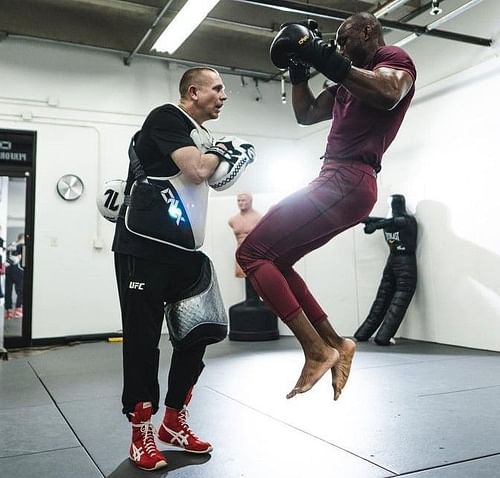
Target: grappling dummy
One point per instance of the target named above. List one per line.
(399, 278)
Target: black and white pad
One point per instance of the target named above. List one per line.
(110, 198)
(235, 156)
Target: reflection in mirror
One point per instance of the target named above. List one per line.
(12, 251)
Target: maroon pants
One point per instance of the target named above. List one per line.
(341, 196)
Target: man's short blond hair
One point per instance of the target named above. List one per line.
(193, 76)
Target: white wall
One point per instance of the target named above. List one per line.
(85, 105)
(446, 162)
(437, 58)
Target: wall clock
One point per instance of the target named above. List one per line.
(70, 187)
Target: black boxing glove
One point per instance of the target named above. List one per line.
(325, 58)
(311, 25)
(287, 42)
(295, 41)
(299, 73)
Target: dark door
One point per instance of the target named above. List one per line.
(17, 161)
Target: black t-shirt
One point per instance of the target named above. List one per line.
(165, 130)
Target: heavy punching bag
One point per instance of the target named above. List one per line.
(251, 319)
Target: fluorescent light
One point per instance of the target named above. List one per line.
(389, 7)
(440, 21)
(184, 23)
(406, 40)
(453, 14)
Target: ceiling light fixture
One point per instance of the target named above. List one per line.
(440, 21)
(183, 24)
(435, 9)
(389, 7)
(453, 14)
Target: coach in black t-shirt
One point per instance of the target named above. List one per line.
(172, 145)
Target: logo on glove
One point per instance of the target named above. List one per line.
(303, 39)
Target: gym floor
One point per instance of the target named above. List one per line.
(413, 409)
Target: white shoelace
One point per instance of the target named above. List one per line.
(147, 432)
(181, 436)
(183, 416)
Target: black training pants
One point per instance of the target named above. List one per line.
(14, 280)
(144, 287)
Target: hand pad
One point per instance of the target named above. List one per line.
(236, 154)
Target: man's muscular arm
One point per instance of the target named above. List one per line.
(382, 88)
(309, 110)
(194, 165)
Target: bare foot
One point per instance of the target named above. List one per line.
(314, 369)
(341, 369)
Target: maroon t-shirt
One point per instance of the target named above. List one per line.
(360, 131)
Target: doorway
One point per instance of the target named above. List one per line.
(17, 157)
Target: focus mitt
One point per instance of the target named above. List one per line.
(235, 155)
(110, 199)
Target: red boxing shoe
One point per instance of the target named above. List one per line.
(143, 451)
(175, 431)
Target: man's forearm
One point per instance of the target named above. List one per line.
(302, 102)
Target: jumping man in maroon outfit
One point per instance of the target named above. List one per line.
(373, 90)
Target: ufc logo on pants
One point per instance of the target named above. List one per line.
(136, 285)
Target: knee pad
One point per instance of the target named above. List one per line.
(200, 318)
